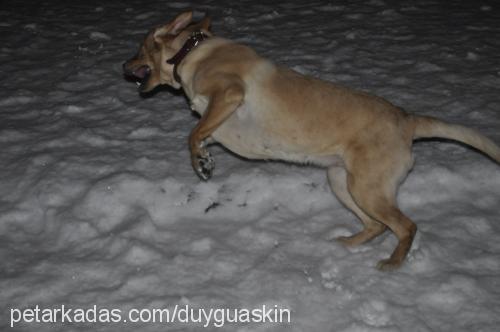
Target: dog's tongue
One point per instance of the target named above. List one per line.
(141, 72)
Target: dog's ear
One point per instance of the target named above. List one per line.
(173, 28)
(206, 23)
(180, 22)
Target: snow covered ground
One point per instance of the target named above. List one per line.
(99, 204)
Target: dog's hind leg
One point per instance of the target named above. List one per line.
(372, 181)
(337, 176)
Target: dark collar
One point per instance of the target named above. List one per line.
(196, 38)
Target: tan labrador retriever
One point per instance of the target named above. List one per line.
(263, 111)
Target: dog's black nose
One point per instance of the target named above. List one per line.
(125, 68)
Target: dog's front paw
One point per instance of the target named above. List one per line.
(203, 165)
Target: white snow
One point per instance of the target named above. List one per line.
(99, 204)
(96, 35)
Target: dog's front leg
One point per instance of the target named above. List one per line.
(224, 100)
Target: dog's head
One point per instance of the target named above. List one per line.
(149, 67)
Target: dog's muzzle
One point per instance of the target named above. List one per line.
(140, 74)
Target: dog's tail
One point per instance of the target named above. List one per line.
(427, 127)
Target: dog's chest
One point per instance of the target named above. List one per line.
(243, 132)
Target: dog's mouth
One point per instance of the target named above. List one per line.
(140, 75)
(142, 72)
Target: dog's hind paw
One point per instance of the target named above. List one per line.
(388, 264)
(346, 240)
(204, 166)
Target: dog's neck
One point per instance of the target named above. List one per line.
(194, 40)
